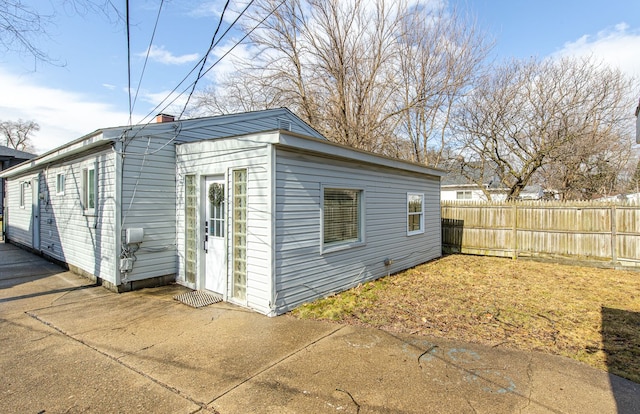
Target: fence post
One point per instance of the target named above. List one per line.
(514, 211)
(614, 232)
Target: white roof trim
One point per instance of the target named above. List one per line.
(334, 150)
(313, 145)
(93, 140)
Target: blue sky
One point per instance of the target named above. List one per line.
(86, 86)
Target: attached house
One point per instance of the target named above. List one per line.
(257, 207)
(10, 157)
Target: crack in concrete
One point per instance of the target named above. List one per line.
(471, 406)
(431, 348)
(202, 405)
(352, 399)
(278, 362)
(529, 383)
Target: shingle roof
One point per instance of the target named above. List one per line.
(455, 177)
(13, 153)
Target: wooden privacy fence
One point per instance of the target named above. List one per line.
(576, 230)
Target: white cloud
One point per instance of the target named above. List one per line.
(206, 9)
(214, 9)
(160, 54)
(166, 102)
(63, 116)
(109, 86)
(615, 46)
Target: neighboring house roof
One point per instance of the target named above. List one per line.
(8, 153)
(455, 177)
(455, 180)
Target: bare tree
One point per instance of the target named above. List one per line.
(17, 134)
(634, 180)
(440, 57)
(348, 68)
(558, 117)
(22, 25)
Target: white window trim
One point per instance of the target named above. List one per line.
(339, 246)
(85, 190)
(22, 195)
(464, 194)
(60, 191)
(421, 230)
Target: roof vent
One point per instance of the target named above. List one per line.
(284, 124)
(160, 118)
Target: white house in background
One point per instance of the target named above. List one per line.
(469, 192)
(459, 186)
(257, 207)
(631, 198)
(472, 192)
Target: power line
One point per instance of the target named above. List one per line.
(129, 60)
(146, 58)
(205, 57)
(243, 38)
(155, 110)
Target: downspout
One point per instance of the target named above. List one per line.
(119, 155)
(272, 228)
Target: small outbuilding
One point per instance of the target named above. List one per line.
(257, 207)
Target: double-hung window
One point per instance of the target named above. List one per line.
(89, 189)
(342, 216)
(415, 213)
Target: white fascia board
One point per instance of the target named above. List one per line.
(340, 151)
(217, 144)
(83, 144)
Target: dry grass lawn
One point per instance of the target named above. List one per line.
(589, 314)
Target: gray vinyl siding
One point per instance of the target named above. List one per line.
(66, 232)
(18, 221)
(303, 273)
(149, 202)
(219, 157)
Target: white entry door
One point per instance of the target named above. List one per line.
(215, 232)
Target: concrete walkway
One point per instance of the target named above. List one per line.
(68, 346)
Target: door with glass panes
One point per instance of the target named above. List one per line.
(215, 231)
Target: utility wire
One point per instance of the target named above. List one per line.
(146, 58)
(204, 60)
(155, 110)
(243, 38)
(129, 60)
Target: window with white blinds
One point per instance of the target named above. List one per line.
(342, 216)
